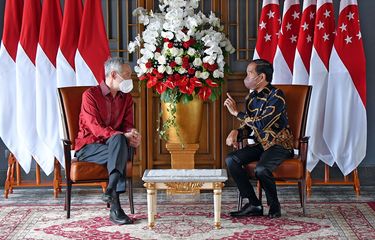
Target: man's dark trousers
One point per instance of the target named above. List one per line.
(268, 161)
(114, 153)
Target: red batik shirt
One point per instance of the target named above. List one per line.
(103, 115)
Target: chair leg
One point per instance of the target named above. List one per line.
(239, 204)
(259, 186)
(304, 192)
(130, 192)
(300, 191)
(68, 199)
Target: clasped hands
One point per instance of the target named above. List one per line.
(133, 137)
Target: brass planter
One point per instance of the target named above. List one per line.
(188, 119)
(189, 124)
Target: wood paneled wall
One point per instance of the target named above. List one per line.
(240, 19)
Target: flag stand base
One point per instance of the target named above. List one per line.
(352, 181)
(14, 179)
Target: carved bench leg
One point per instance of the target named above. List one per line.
(56, 179)
(10, 175)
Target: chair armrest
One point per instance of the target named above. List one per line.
(66, 141)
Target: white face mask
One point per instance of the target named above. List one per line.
(126, 85)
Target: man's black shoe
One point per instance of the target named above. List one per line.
(274, 212)
(119, 217)
(248, 210)
(107, 196)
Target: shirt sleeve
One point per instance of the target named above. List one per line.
(275, 105)
(90, 114)
(128, 123)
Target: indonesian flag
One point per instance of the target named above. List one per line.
(47, 111)
(71, 24)
(25, 85)
(345, 128)
(93, 47)
(268, 31)
(8, 104)
(323, 41)
(286, 46)
(302, 58)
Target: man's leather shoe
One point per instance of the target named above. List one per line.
(274, 212)
(119, 217)
(248, 210)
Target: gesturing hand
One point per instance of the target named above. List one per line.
(231, 104)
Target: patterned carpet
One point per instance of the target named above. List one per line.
(185, 220)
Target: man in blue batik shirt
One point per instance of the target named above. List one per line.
(267, 120)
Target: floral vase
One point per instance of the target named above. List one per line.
(183, 145)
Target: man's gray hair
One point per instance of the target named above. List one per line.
(113, 64)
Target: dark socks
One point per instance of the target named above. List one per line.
(113, 179)
(115, 204)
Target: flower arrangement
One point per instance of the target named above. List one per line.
(182, 52)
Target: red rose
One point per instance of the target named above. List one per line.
(206, 65)
(170, 45)
(186, 65)
(186, 45)
(165, 39)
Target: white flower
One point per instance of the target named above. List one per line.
(204, 75)
(150, 47)
(143, 67)
(197, 62)
(161, 69)
(131, 47)
(168, 35)
(191, 51)
(174, 51)
(178, 60)
(182, 70)
(198, 74)
(169, 70)
(162, 60)
(147, 53)
(218, 74)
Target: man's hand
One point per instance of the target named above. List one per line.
(232, 139)
(133, 137)
(231, 104)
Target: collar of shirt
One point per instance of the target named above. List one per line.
(105, 89)
(265, 91)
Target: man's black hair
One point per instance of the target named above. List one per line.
(263, 66)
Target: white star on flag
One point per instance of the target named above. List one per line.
(288, 26)
(267, 37)
(326, 37)
(262, 25)
(308, 38)
(295, 15)
(327, 13)
(348, 39)
(359, 35)
(293, 38)
(343, 27)
(320, 25)
(350, 16)
(305, 26)
(312, 15)
(271, 14)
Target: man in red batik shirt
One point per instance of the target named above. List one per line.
(106, 130)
